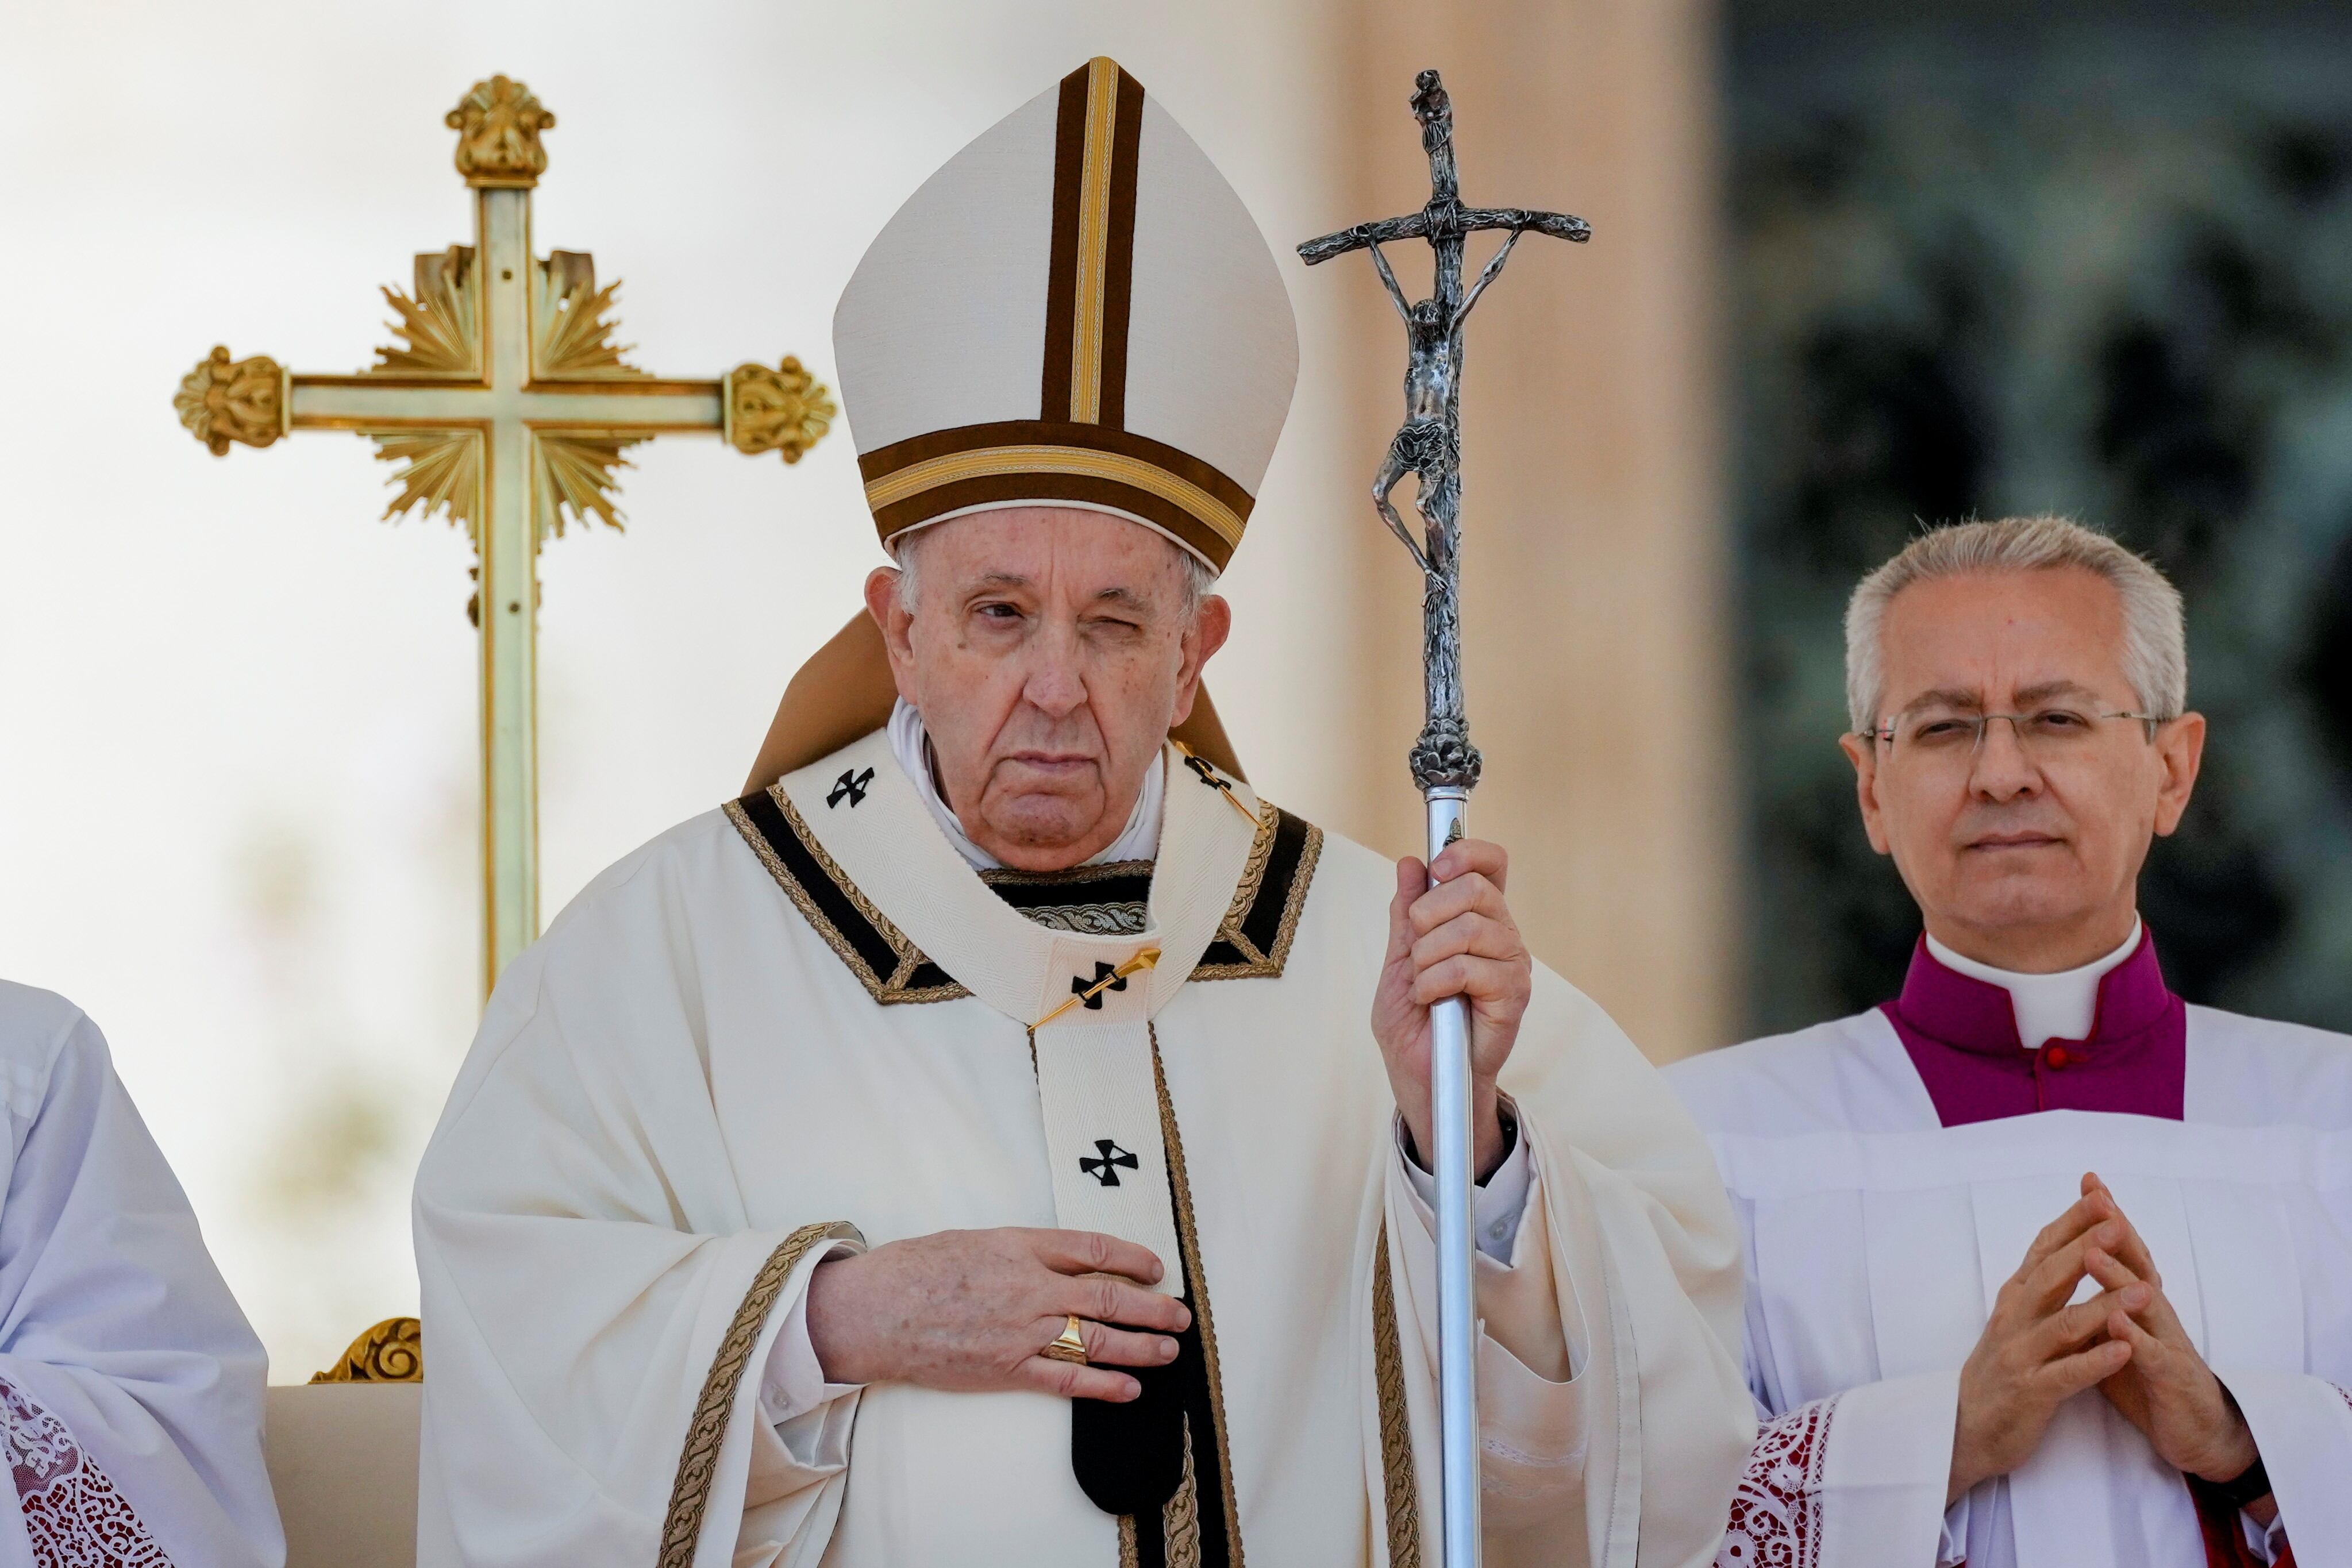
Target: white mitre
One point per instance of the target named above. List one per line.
(1075, 310)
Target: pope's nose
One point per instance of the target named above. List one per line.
(1055, 685)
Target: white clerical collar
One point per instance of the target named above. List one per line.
(2048, 1007)
(1139, 840)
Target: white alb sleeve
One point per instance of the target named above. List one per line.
(1952, 1552)
(792, 1384)
(1496, 1210)
(2265, 1540)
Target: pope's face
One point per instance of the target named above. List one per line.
(1050, 651)
(2022, 848)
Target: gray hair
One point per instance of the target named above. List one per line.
(2155, 643)
(1199, 580)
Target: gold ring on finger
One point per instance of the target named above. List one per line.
(1070, 1347)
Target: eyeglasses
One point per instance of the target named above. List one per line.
(2045, 733)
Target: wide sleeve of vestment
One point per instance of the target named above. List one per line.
(1842, 1479)
(2303, 1425)
(131, 1385)
(1630, 1248)
(601, 1306)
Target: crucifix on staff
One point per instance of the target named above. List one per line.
(510, 407)
(1429, 443)
(1445, 764)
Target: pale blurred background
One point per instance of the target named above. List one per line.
(237, 730)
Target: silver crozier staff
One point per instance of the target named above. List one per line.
(1445, 764)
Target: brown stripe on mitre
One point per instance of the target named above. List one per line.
(912, 482)
(1062, 267)
(1119, 250)
(1090, 266)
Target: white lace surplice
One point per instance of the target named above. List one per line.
(1877, 1240)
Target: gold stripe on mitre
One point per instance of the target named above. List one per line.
(1040, 462)
(1094, 242)
(1114, 468)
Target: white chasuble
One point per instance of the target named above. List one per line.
(1877, 1240)
(804, 1024)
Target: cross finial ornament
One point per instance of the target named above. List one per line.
(497, 125)
(508, 406)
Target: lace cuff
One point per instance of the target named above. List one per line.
(1777, 1507)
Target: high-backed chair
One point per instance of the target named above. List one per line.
(342, 1454)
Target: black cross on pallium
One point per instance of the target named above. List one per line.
(1112, 1156)
(1093, 991)
(852, 784)
(1208, 774)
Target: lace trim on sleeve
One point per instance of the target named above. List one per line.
(1776, 1509)
(72, 1512)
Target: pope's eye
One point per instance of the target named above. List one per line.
(999, 611)
(2058, 721)
(1935, 729)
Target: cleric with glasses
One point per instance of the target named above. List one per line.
(2044, 1264)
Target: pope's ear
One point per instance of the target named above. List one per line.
(1863, 754)
(1211, 626)
(882, 604)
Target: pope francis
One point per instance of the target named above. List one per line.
(994, 1138)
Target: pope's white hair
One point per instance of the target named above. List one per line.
(2156, 644)
(1199, 580)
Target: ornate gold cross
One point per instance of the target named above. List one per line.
(508, 406)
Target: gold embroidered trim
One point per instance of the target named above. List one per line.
(1398, 1483)
(1180, 1522)
(697, 1462)
(1245, 891)
(885, 988)
(1259, 964)
(1310, 854)
(1080, 918)
(1103, 871)
(1189, 1238)
(1116, 919)
(1180, 1518)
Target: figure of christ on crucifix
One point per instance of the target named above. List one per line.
(1428, 445)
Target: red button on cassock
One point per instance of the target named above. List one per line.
(2055, 1056)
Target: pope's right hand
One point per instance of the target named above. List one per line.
(2036, 1352)
(969, 1310)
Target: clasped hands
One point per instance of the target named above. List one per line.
(2037, 1352)
(971, 1310)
